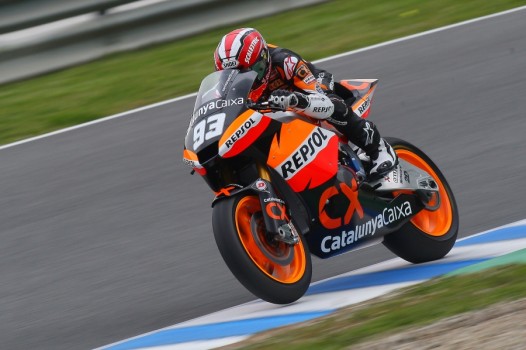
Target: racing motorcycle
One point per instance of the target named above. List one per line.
(287, 186)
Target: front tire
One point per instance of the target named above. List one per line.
(273, 271)
(430, 234)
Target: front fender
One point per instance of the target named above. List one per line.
(228, 191)
(275, 210)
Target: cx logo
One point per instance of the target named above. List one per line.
(277, 211)
(351, 193)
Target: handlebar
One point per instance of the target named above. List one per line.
(263, 106)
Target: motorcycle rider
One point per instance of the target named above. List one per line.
(289, 82)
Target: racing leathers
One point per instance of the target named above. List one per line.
(297, 84)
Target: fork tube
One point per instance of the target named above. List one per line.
(263, 172)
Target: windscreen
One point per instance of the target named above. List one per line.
(221, 98)
(213, 87)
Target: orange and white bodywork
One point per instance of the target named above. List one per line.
(242, 133)
(305, 155)
(364, 91)
(191, 159)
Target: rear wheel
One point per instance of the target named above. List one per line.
(272, 270)
(430, 234)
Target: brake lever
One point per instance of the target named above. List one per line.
(263, 106)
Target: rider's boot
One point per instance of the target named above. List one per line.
(365, 135)
(383, 159)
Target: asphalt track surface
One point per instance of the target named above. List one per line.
(105, 235)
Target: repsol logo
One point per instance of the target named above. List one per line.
(309, 79)
(388, 216)
(363, 107)
(217, 104)
(240, 132)
(251, 50)
(321, 109)
(304, 154)
(188, 162)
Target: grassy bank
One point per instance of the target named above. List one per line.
(414, 306)
(125, 81)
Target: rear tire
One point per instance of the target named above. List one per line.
(429, 235)
(273, 271)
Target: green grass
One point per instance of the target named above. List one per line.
(414, 306)
(128, 80)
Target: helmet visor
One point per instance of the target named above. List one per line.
(261, 65)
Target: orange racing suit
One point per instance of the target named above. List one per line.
(291, 72)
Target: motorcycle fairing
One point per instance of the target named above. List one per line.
(242, 132)
(220, 100)
(192, 160)
(363, 90)
(305, 155)
(368, 219)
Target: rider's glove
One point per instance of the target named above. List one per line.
(285, 99)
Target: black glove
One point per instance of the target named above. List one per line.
(283, 99)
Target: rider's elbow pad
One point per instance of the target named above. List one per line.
(318, 106)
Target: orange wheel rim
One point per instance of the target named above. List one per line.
(438, 222)
(279, 261)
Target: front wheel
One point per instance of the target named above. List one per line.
(273, 271)
(430, 234)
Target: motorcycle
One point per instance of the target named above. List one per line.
(287, 186)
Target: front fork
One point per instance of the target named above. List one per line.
(274, 209)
